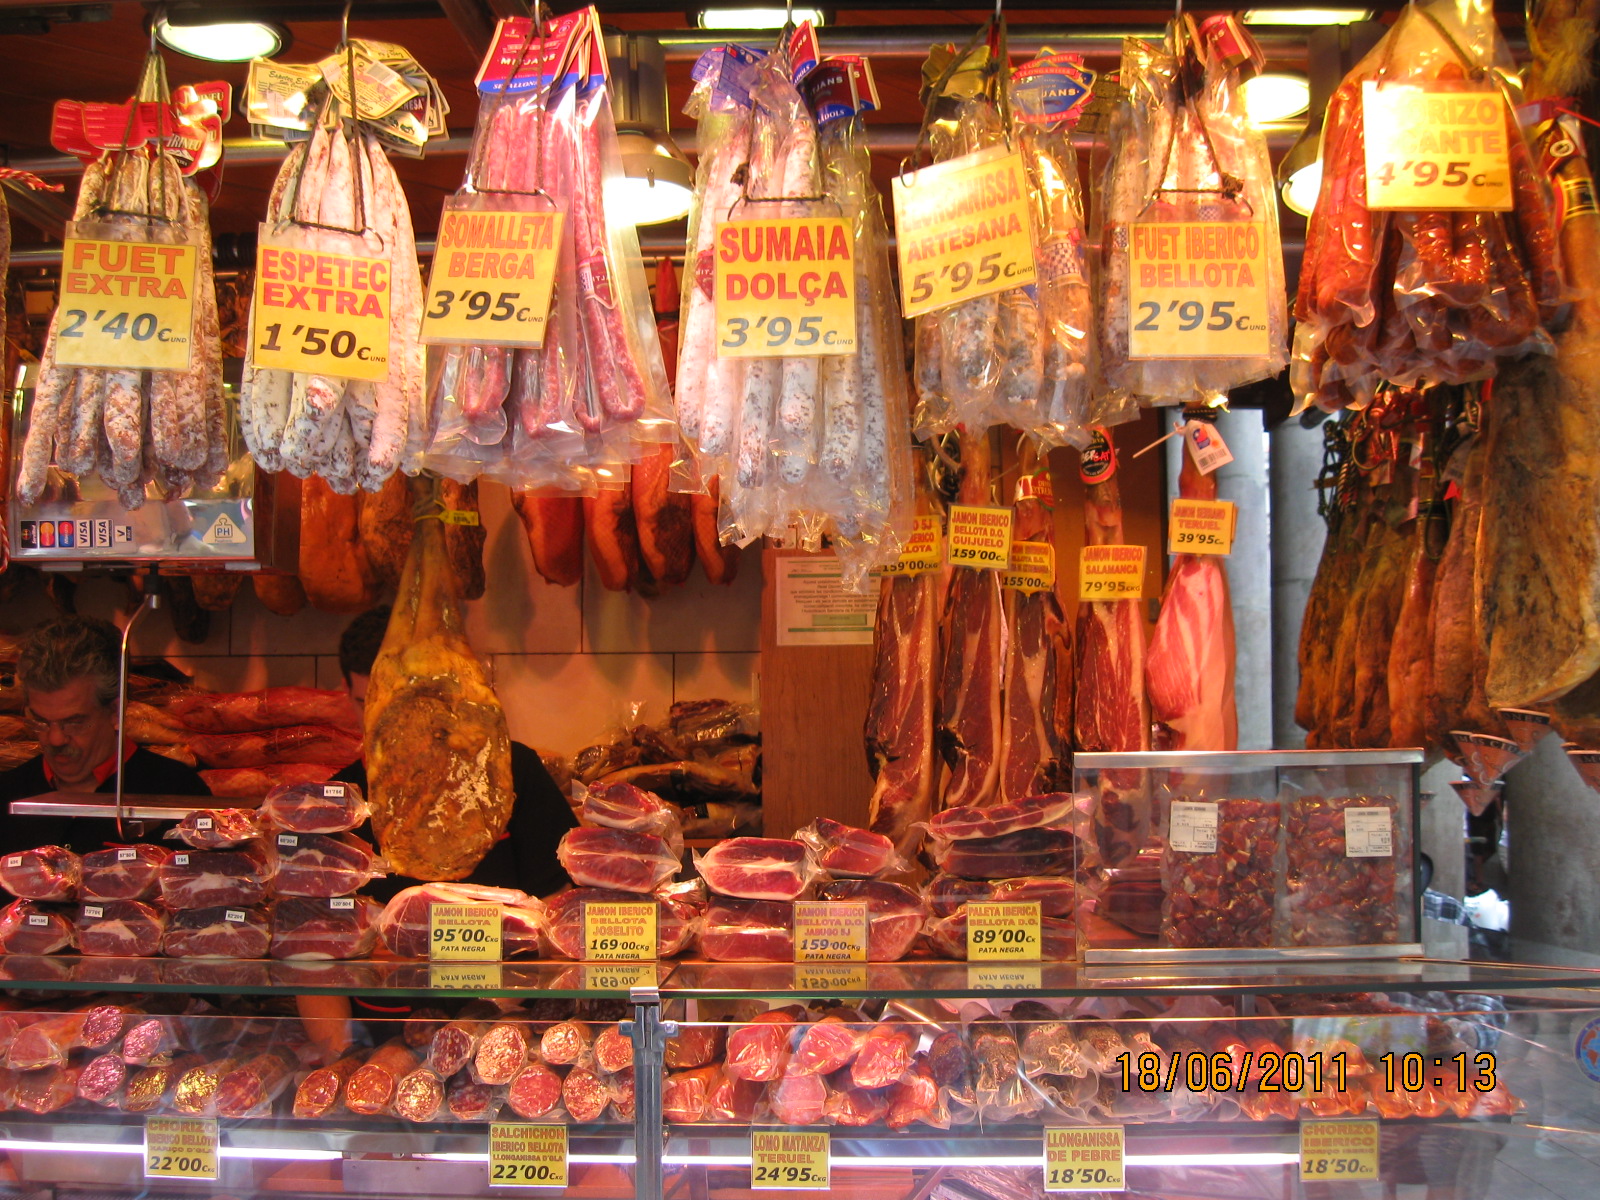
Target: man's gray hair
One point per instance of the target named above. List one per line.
(68, 648)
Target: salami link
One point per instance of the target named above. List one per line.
(613, 1050)
(319, 1092)
(419, 1096)
(469, 1101)
(371, 1090)
(566, 1043)
(102, 1079)
(585, 1095)
(501, 1053)
(250, 1088)
(534, 1092)
(453, 1046)
(152, 1085)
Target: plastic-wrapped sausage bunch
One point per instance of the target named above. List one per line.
(595, 394)
(1182, 151)
(1334, 899)
(1420, 297)
(1224, 897)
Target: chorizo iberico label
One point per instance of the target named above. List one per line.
(963, 230)
(1432, 150)
(319, 313)
(125, 304)
(785, 287)
(1342, 1150)
(492, 277)
(180, 1148)
(1197, 289)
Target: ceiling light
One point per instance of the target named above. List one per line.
(1274, 97)
(1301, 186)
(1307, 16)
(1331, 53)
(229, 41)
(758, 18)
(657, 183)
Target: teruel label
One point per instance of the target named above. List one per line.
(785, 286)
(1197, 289)
(979, 537)
(464, 932)
(527, 1155)
(180, 1148)
(963, 230)
(1110, 572)
(492, 277)
(830, 932)
(319, 313)
(788, 1160)
(923, 551)
(125, 304)
(1085, 1160)
(1338, 1150)
(1201, 527)
(1033, 568)
(1435, 150)
(619, 932)
(1003, 931)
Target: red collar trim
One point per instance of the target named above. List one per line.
(105, 770)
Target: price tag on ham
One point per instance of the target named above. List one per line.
(1085, 1160)
(1368, 833)
(1111, 572)
(465, 977)
(1201, 527)
(492, 277)
(1435, 150)
(963, 230)
(996, 932)
(785, 287)
(923, 550)
(180, 1148)
(619, 979)
(979, 537)
(1004, 979)
(826, 931)
(527, 1155)
(1343, 1150)
(320, 313)
(1192, 827)
(788, 1160)
(126, 304)
(1197, 289)
(1033, 568)
(464, 932)
(619, 932)
(825, 980)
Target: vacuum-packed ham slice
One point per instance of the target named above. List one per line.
(616, 859)
(29, 928)
(320, 864)
(405, 922)
(997, 820)
(827, 1046)
(122, 872)
(623, 806)
(315, 807)
(736, 930)
(1026, 852)
(759, 1052)
(48, 873)
(222, 931)
(756, 868)
(338, 927)
(208, 878)
(677, 918)
(216, 828)
(271, 708)
(850, 853)
(946, 893)
(894, 915)
(120, 929)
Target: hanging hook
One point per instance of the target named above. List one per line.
(344, 22)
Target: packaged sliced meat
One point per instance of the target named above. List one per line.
(916, 1096)
(319, 1092)
(1036, 851)
(370, 1090)
(208, 878)
(623, 806)
(846, 852)
(948, 935)
(29, 928)
(222, 931)
(48, 873)
(1336, 899)
(337, 927)
(1053, 811)
(616, 859)
(271, 708)
(250, 1088)
(102, 1080)
(419, 1096)
(894, 914)
(404, 924)
(678, 913)
(534, 1091)
(216, 828)
(503, 1051)
(798, 1099)
(1056, 895)
(567, 1043)
(734, 1100)
(754, 868)
(1224, 898)
(122, 872)
(684, 1094)
(854, 1106)
(736, 930)
(885, 1053)
(323, 864)
(946, 893)
(759, 1051)
(120, 928)
(827, 1046)
(315, 807)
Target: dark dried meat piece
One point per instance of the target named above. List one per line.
(1224, 899)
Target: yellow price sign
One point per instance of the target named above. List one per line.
(622, 978)
(963, 230)
(823, 979)
(1433, 150)
(527, 1155)
(1033, 567)
(125, 304)
(1003, 931)
(923, 550)
(1198, 289)
(465, 977)
(464, 932)
(619, 932)
(1010, 978)
(785, 286)
(320, 313)
(1338, 1150)
(979, 537)
(1202, 526)
(1085, 1160)
(788, 1160)
(1110, 572)
(830, 932)
(180, 1148)
(492, 277)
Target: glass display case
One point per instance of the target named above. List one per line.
(1270, 854)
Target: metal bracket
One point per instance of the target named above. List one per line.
(649, 1034)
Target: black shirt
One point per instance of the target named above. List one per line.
(148, 774)
(525, 858)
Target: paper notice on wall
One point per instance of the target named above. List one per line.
(814, 608)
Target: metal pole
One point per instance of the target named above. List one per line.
(648, 1033)
(151, 600)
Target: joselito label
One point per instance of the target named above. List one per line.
(1099, 458)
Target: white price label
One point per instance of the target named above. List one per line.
(1192, 827)
(127, 854)
(93, 911)
(1206, 446)
(1368, 833)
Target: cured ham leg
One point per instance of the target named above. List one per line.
(900, 711)
(1189, 674)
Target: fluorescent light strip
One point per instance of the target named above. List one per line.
(281, 1154)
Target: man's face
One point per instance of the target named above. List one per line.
(356, 685)
(76, 732)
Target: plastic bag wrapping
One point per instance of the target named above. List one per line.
(209, 878)
(315, 807)
(846, 852)
(678, 911)
(1183, 151)
(47, 873)
(30, 928)
(122, 872)
(220, 931)
(215, 828)
(404, 924)
(340, 927)
(1420, 297)
(324, 864)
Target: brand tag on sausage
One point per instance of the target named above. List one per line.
(1201, 526)
(492, 277)
(319, 313)
(785, 287)
(1435, 150)
(1110, 572)
(125, 304)
(1197, 289)
(980, 536)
